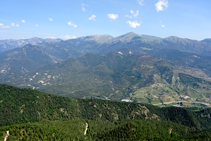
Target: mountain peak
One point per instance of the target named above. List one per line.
(129, 34)
(208, 40)
(97, 37)
(132, 33)
(127, 37)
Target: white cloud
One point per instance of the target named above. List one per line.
(131, 11)
(72, 24)
(134, 24)
(36, 25)
(23, 21)
(141, 2)
(3, 26)
(128, 16)
(92, 17)
(161, 4)
(113, 16)
(64, 37)
(83, 7)
(136, 14)
(13, 24)
(50, 19)
(163, 25)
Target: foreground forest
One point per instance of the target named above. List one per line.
(32, 115)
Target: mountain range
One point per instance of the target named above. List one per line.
(130, 67)
(106, 43)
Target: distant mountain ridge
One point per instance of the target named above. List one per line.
(106, 43)
(207, 41)
(97, 37)
(11, 43)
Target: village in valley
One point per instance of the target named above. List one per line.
(187, 101)
(184, 101)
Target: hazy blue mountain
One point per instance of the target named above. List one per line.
(10, 43)
(131, 36)
(152, 44)
(207, 41)
(96, 37)
(126, 37)
(103, 44)
(76, 47)
(186, 45)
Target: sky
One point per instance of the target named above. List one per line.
(66, 19)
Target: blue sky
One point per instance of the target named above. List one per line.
(74, 18)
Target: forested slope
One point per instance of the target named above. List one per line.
(27, 105)
(49, 117)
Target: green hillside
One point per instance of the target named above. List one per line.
(27, 105)
(45, 116)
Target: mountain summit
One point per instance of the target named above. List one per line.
(127, 37)
(96, 37)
